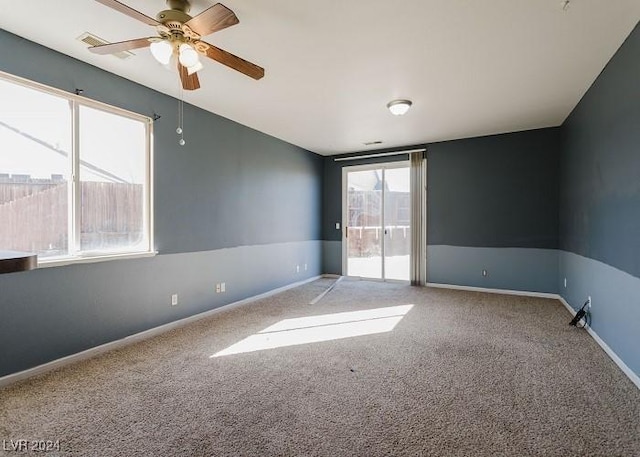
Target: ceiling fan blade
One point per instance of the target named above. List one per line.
(212, 19)
(235, 62)
(121, 46)
(189, 81)
(124, 9)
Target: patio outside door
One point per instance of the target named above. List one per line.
(376, 215)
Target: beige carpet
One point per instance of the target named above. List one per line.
(460, 374)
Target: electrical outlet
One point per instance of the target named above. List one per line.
(305, 267)
(297, 268)
(484, 273)
(337, 225)
(218, 288)
(223, 287)
(174, 299)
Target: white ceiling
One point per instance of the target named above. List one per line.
(471, 67)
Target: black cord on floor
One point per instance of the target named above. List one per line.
(586, 320)
(582, 314)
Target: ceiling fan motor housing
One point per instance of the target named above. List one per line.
(168, 16)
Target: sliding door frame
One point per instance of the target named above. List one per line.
(345, 215)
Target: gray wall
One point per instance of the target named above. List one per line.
(495, 191)
(600, 203)
(492, 204)
(233, 205)
(600, 206)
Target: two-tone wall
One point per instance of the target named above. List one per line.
(600, 203)
(233, 205)
(492, 205)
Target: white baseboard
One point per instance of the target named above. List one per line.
(605, 347)
(617, 360)
(522, 293)
(92, 352)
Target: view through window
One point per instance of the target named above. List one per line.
(66, 196)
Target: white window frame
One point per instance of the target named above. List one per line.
(75, 254)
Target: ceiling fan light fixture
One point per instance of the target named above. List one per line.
(162, 51)
(194, 68)
(187, 55)
(399, 107)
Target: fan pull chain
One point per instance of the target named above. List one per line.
(180, 130)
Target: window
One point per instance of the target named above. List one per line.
(74, 175)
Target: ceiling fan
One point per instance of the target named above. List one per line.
(179, 34)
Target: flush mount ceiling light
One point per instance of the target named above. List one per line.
(399, 107)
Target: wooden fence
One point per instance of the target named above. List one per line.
(34, 216)
(11, 190)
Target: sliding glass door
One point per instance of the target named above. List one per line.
(376, 215)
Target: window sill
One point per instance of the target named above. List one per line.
(59, 262)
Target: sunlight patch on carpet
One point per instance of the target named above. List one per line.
(314, 329)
